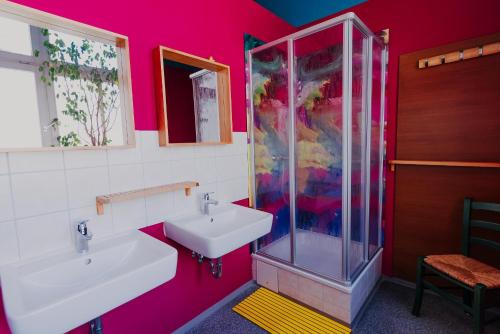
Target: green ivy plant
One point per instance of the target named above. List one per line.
(85, 83)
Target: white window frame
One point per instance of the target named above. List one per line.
(46, 94)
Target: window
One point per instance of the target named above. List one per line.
(61, 84)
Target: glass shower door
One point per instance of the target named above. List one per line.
(358, 150)
(270, 111)
(376, 153)
(318, 68)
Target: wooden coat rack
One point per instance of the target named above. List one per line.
(459, 55)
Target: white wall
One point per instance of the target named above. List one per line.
(43, 194)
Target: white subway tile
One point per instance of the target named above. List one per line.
(6, 208)
(204, 151)
(4, 168)
(85, 184)
(159, 207)
(233, 190)
(125, 177)
(179, 153)
(9, 249)
(227, 149)
(42, 234)
(129, 215)
(244, 166)
(206, 170)
(183, 170)
(231, 167)
(150, 147)
(39, 193)
(240, 140)
(157, 173)
(124, 156)
(85, 158)
(100, 225)
(21, 162)
(185, 204)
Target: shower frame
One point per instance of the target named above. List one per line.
(348, 21)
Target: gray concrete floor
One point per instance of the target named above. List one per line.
(387, 312)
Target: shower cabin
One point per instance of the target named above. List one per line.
(316, 121)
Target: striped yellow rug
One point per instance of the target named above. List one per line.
(277, 314)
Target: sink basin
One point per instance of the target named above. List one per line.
(225, 229)
(60, 291)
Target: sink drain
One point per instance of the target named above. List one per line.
(88, 261)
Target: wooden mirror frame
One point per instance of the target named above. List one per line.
(163, 53)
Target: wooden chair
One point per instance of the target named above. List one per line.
(472, 276)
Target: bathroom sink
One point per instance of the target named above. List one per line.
(225, 229)
(60, 291)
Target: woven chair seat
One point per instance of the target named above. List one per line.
(466, 269)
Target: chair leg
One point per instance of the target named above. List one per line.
(467, 299)
(420, 286)
(477, 308)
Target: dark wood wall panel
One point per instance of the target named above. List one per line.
(446, 113)
(452, 111)
(428, 212)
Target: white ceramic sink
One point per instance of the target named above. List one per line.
(225, 229)
(58, 292)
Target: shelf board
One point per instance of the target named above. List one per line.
(393, 163)
(129, 195)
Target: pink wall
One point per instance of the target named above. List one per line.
(416, 25)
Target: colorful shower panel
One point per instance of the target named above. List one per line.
(271, 112)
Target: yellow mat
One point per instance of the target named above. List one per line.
(277, 314)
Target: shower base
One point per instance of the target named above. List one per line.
(320, 254)
(317, 252)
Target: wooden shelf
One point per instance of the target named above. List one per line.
(393, 163)
(129, 195)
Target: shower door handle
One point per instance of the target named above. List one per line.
(279, 157)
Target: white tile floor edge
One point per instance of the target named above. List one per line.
(214, 308)
(43, 194)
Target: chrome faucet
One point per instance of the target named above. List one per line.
(82, 237)
(207, 200)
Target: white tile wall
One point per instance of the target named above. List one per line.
(84, 184)
(127, 156)
(9, 251)
(129, 214)
(38, 193)
(4, 169)
(86, 158)
(157, 173)
(42, 234)
(6, 208)
(44, 194)
(22, 162)
(126, 177)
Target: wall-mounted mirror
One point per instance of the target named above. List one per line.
(62, 84)
(194, 103)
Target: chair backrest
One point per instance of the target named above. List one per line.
(468, 223)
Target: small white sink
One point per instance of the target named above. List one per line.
(58, 292)
(225, 229)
